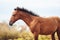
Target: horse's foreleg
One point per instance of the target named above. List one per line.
(53, 36)
(35, 36)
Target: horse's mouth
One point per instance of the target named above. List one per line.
(10, 23)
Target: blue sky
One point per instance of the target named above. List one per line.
(44, 8)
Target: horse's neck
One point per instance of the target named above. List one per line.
(27, 19)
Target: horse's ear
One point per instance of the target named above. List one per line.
(17, 8)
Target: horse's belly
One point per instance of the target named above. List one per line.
(48, 28)
(46, 32)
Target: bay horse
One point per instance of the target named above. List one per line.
(38, 25)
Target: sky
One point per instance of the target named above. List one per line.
(44, 8)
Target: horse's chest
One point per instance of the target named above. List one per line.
(35, 28)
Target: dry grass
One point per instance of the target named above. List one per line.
(7, 33)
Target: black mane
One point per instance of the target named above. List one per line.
(25, 10)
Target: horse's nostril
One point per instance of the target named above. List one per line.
(10, 23)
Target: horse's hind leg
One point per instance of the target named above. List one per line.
(58, 34)
(53, 36)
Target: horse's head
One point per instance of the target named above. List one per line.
(21, 13)
(15, 16)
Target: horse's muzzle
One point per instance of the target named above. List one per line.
(10, 23)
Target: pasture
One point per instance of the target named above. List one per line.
(12, 34)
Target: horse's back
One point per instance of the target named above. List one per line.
(48, 25)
